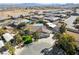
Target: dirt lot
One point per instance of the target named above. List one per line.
(14, 12)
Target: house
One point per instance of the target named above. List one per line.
(19, 23)
(35, 27)
(2, 48)
(36, 16)
(1, 43)
(16, 16)
(52, 19)
(3, 18)
(52, 27)
(7, 37)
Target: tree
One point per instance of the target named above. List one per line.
(65, 41)
(21, 25)
(27, 31)
(62, 29)
(2, 31)
(35, 36)
(21, 16)
(27, 39)
(41, 21)
(57, 36)
(77, 26)
(76, 21)
(12, 17)
(68, 44)
(10, 48)
(18, 38)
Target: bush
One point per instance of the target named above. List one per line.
(35, 36)
(76, 21)
(68, 44)
(18, 38)
(11, 49)
(27, 39)
(62, 29)
(41, 21)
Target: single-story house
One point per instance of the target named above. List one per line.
(1, 43)
(36, 16)
(35, 27)
(60, 15)
(7, 37)
(43, 35)
(51, 19)
(16, 16)
(17, 22)
(2, 48)
(52, 27)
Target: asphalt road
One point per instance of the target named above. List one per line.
(70, 21)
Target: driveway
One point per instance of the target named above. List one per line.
(35, 48)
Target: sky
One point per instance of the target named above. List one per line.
(39, 1)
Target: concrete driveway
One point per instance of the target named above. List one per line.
(35, 48)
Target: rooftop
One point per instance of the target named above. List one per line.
(1, 43)
(51, 25)
(7, 37)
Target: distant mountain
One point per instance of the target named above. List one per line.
(24, 5)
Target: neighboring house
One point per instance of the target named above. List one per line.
(2, 48)
(53, 27)
(16, 22)
(51, 19)
(35, 27)
(16, 16)
(60, 15)
(7, 37)
(1, 43)
(19, 23)
(44, 35)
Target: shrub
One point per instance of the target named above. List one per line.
(27, 39)
(62, 28)
(68, 44)
(36, 36)
(18, 38)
